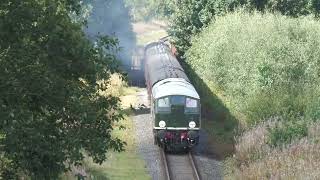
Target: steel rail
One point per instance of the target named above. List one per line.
(165, 164)
(194, 167)
(168, 169)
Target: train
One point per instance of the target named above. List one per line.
(174, 102)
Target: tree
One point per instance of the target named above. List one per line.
(290, 7)
(50, 110)
(190, 17)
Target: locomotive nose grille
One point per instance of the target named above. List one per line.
(177, 109)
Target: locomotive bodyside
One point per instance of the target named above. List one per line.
(175, 104)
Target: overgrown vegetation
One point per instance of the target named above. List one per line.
(263, 66)
(189, 17)
(255, 158)
(262, 72)
(51, 111)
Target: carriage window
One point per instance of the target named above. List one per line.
(177, 100)
(164, 102)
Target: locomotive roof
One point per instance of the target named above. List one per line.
(161, 64)
(174, 86)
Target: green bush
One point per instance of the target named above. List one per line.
(287, 132)
(275, 103)
(263, 65)
(313, 106)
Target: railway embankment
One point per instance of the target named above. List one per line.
(259, 78)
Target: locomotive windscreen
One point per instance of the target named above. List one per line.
(161, 64)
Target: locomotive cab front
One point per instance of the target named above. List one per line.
(176, 114)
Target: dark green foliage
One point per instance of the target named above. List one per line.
(50, 111)
(313, 105)
(287, 132)
(189, 17)
(292, 8)
(315, 7)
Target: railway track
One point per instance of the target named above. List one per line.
(179, 166)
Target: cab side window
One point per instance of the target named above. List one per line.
(192, 105)
(163, 105)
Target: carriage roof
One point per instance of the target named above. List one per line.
(161, 64)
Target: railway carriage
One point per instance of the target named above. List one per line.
(175, 104)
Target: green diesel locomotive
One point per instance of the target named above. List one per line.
(175, 104)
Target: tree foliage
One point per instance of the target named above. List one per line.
(189, 17)
(143, 10)
(50, 111)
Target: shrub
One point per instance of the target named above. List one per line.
(264, 65)
(287, 132)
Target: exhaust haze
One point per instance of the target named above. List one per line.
(112, 18)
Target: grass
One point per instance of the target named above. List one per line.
(256, 159)
(154, 35)
(119, 166)
(124, 165)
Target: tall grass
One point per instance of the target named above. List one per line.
(255, 159)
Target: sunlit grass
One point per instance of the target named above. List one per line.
(124, 165)
(151, 36)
